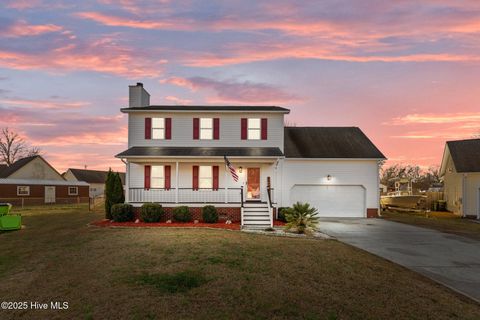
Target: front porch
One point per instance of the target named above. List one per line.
(196, 183)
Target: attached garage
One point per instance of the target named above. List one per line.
(333, 200)
(335, 169)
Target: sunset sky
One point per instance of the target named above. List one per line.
(407, 74)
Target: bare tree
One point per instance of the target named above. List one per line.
(13, 147)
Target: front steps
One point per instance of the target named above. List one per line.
(256, 215)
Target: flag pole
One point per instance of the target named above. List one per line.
(226, 178)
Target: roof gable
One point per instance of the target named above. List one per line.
(34, 167)
(465, 154)
(329, 142)
(6, 171)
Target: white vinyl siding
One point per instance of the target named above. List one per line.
(206, 128)
(158, 128)
(314, 173)
(23, 190)
(254, 129)
(205, 177)
(157, 177)
(182, 128)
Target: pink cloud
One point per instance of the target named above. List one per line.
(233, 91)
(44, 104)
(116, 21)
(22, 29)
(177, 100)
(103, 55)
(435, 118)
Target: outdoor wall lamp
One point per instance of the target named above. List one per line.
(329, 177)
(240, 169)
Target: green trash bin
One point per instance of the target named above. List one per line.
(9, 221)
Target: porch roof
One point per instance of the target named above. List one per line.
(253, 152)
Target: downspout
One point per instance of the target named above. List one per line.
(464, 195)
(379, 212)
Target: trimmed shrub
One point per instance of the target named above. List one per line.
(182, 214)
(210, 214)
(122, 212)
(151, 212)
(281, 214)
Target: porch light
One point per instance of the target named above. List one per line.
(240, 169)
(329, 177)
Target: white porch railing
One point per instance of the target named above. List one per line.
(185, 195)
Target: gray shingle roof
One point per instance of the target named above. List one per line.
(93, 176)
(465, 154)
(6, 171)
(200, 152)
(329, 142)
(208, 108)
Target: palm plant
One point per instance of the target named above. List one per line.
(301, 217)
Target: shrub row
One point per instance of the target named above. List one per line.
(153, 212)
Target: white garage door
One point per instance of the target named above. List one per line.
(332, 201)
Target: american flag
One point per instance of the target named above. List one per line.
(233, 172)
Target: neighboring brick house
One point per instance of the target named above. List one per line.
(33, 181)
(176, 156)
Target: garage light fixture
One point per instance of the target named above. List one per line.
(240, 169)
(329, 177)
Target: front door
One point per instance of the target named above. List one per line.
(253, 184)
(49, 194)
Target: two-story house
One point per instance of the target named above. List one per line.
(176, 156)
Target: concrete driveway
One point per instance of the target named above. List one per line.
(449, 259)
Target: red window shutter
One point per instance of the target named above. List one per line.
(264, 126)
(148, 128)
(196, 128)
(215, 177)
(168, 128)
(147, 176)
(244, 128)
(216, 128)
(167, 173)
(195, 178)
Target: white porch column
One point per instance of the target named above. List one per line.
(176, 182)
(127, 181)
(225, 182)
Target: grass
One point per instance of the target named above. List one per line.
(112, 273)
(172, 283)
(442, 221)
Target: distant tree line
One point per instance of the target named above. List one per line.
(421, 179)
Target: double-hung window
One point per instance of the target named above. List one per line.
(205, 177)
(157, 179)
(23, 190)
(158, 128)
(254, 129)
(73, 191)
(206, 128)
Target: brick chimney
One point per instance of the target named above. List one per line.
(138, 96)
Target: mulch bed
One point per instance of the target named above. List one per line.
(220, 225)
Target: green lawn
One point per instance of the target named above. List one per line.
(441, 221)
(117, 273)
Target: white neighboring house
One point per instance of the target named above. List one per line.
(95, 178)
(460, 171)
(175, 157)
